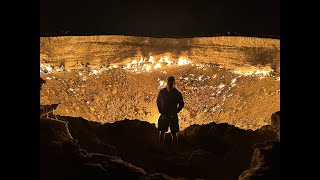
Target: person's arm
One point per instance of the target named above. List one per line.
(159, 102)
(180, 101)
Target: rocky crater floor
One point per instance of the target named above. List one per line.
(98, 114)
(234, 80)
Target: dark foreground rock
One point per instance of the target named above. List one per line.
(265, 163)
(61, 157)
(211, 151)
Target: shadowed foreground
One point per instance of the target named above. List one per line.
(128, 149)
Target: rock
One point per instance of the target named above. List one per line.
(129, 149)
(114, 91)
(42, 82)
(265, 162)
(93, 171)
(92, 109)
(48, 109)
(200, 159)
(54, 131)
(275, 123)
(89, 134)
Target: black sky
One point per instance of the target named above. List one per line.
(160, 18)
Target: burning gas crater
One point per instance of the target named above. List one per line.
(245, 98)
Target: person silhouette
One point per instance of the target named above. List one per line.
(170, 103)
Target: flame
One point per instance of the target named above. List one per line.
(148, 68)
(167, 60)
(182, 61)
(134, 62)
(263, 72)
(151, 59)
(157, 66)
(145, 64)
(152, 63)
(141, 60)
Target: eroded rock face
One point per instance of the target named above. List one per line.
(54, 130)
(231, 52)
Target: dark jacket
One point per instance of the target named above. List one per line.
(169, 102)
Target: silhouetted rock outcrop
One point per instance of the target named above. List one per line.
(54, 131)
(75, 148)
(265, 163)
(61, 157)
(275, 122)
(48, 109)
(204, 151)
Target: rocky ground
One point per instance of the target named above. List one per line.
(211, 94)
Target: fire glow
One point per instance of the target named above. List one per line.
(152, 63)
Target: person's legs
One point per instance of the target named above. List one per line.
(174, 137)
(174, 128)
(163, 128)
(161, 137)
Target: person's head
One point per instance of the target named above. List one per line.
(170, 82)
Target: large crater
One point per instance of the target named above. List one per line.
(107, 78)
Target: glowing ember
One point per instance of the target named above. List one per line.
(94, 72)
(45, 69)
(233, 80)
(221, 86)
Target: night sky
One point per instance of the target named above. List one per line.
(160, 18)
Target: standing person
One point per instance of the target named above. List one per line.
(170, 103)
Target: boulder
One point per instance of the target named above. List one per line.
(265, 162)
(275, 123)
